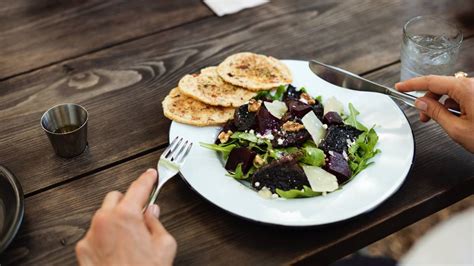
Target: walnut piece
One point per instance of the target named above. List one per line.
(254, 105)
(258, 160)
(224, 136)
(307, 98)
(291, 126)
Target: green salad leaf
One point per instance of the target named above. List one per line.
(313, 156)
(319, 99)
(279, 93)
(307, 192)
(239, 174)
(362, 150)
(279, 152)
(245, 136)
(268, 95)
(224, 148)
(351, 119)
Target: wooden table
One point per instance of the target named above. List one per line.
(120, 58)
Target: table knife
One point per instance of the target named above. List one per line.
(348, 80)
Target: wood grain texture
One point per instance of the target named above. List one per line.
(56, 219)
(122, 87)
(38, 33)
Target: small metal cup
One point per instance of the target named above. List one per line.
(66, 127)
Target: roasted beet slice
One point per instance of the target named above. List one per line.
(286, 139)
(284, 174)
(229, 125)
(332, 118)
(266, 121)
(337, 138)
(240, 155)
(338, 166)
(243, 119)
(318, 110)
(298, 108)
(288, 117)
(291, 93)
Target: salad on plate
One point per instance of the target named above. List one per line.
(287, 144)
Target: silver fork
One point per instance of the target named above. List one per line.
(169, 164)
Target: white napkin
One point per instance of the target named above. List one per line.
(224, 7)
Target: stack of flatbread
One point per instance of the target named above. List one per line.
(210, 97)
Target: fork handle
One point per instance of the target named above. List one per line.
(154, 195)
(410, 99)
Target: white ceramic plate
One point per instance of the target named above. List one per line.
(205, 173)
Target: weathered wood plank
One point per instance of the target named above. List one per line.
(122, 87)
(38, 33)
(56, 219)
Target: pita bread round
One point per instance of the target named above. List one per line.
(181, 108)
(254, 72)
(210, 88)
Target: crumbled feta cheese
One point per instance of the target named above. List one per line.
(325, 126)
(257, 184)
(280, 141)
(268, 136)
(349, 142)
(252, 131)
(331, 153)
(274, 196)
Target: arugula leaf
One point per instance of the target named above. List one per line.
(239, 174)
(279, 152)
(307, 192)
(262, 95)
(352, 119)
(313, 156)
(267, 95)
(362, 150)
(245, 136)
(224, 148)
(319, 99)
(279, 93)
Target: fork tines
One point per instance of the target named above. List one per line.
(177, 150)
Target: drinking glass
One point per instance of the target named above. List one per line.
(430, 46)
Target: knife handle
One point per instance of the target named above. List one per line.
(410, 100)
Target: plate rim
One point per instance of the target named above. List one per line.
(13, 229)
(324, 223)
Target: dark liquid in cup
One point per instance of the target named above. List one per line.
(66, 129)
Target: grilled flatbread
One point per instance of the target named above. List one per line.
(254, 72)
(210, 88)
(184, 109)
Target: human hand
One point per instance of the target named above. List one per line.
(121, 235)
(461, 97)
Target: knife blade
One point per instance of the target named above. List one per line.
(348, 80)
